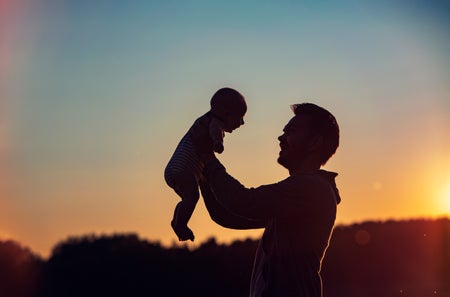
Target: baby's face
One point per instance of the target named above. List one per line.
(234, 120)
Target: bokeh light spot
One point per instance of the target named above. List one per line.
(362, 237)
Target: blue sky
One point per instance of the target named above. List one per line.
(96, 95)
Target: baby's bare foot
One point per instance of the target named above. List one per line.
(183, 232)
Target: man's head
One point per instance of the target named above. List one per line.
(311, 135)
(229, 105)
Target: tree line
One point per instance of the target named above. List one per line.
(382, 259)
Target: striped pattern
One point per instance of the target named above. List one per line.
(184, 159)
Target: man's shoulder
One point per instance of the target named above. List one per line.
(305, 178)
(309, 183)
(317, 175)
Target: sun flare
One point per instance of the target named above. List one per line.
(447, 198)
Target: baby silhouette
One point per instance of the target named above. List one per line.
(184, 169)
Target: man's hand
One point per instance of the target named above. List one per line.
(203, 143)
(205, 151)
(218, 147)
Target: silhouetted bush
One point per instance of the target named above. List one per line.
(121, 265)
(382, 259)
(124, 265)
(20, 270)
(407, 258)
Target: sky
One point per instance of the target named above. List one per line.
(95, 95)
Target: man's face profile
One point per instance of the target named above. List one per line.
(294, 142)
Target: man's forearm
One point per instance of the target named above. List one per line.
(223, 185)
(250, 203)
(223, 216)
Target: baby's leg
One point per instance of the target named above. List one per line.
(187, 189)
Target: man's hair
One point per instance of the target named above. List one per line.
(323, 123)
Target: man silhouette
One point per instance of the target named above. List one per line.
(297, 213)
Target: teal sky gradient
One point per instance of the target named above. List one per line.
(96, 95)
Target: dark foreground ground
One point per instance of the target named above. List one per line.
(379, 259)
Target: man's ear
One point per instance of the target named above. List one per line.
(316, 142)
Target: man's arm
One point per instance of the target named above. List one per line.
(224, 217)
(252, 203)
(229, 203)
(216, 133)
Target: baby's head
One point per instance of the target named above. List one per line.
(229, 105)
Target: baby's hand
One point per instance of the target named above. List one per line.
(218, 147)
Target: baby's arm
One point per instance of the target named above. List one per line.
(208, 129)
(216, 133)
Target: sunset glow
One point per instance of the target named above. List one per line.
(94, 97)
(446, 198)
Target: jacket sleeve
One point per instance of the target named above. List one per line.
(254, 203)
(223, 216)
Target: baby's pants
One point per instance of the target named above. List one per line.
(185, 185)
